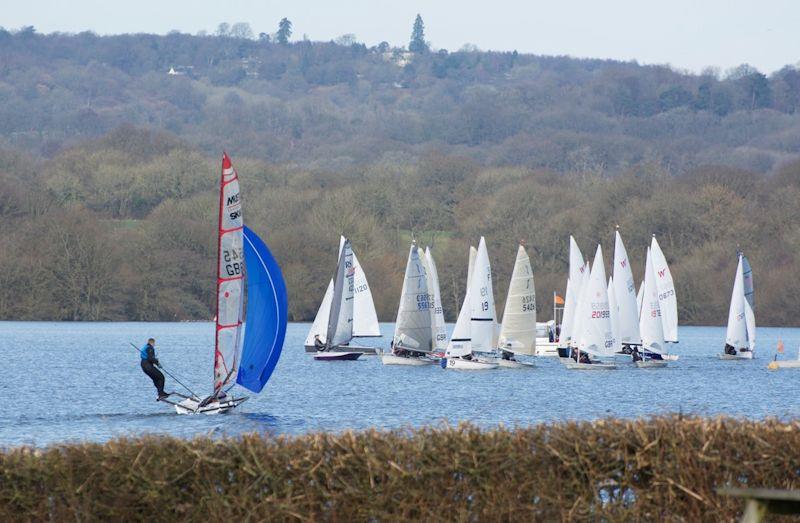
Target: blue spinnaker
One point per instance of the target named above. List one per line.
(265, 323)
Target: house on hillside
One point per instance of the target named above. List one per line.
(181, 70)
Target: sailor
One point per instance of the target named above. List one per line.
(729, 349)
(507, 355)
(636, 356)
(149, 363)
(585, 358)
(318, 343)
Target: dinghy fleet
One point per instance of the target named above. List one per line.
(605, 321)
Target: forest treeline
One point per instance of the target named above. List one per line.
(341, 105)
(123, 227)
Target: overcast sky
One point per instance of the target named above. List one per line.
(688, 34)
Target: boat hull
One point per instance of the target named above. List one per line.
(193, 406)
(462, 364)
(670, 357)
(391, 359)
(651, 364)
(371, 351)
(337, 356)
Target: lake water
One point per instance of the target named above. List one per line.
(82, 381)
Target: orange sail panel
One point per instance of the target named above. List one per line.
(230, 278)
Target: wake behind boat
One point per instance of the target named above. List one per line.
(244, 354)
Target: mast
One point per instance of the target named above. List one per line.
(230, 277)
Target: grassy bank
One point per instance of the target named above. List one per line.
(658, 469)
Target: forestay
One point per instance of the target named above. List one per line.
(666, 293)
(413, 327)
(627, 308)
(518, 330)
(340, 320)
(651, 325)
(230, 278)
(595, 336)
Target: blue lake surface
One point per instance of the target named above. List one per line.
(82, 382)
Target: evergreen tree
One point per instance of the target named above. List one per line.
(418, 43)
(284, 31)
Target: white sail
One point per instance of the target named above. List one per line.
(640, 294)
(320, 325)
(736, 334)
(473, 253)
(481, 299)
(518, 331)
(750, 323)
(749, 307)
(666, 293)
(413, 327)
(340, 319)
(229, 277)
(579, 317)
(627, 308)
(574, 282)
(460, 343)
(439, 327)
(365, 319)
(651, 326)
(596, 336)
(613, 308)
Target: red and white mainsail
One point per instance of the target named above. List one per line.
(230, 278)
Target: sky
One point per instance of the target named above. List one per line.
(686, 34)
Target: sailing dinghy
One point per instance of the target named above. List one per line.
(365, 319)
(413, 335)
(627, 303)
(245, 353)
(474, 329)
(339, 328)
(651, 326)
(594, 329)
(518, 330)
(577, 266)
(668, 301)
(740, 337)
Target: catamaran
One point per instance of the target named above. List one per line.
(245, 353)
(577, 267)
(365, 319)
(339, 328)
(668, 301)
(740, 338)
(413, 334)
(518, 330)
(594, 331)
(435, 300)
(651, 326)
(625, 310)
(474, 329)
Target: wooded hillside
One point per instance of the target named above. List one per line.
(109, 166)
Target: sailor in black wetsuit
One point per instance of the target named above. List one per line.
(318, 343)
(149, 363)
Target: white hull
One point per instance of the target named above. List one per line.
(391, 359)
(572, 365)
(670, 357)
(192, 406)
(462, 364)
(747, 355)
(513, 364)
(546, 348)
(651, 364)
(784, 364)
